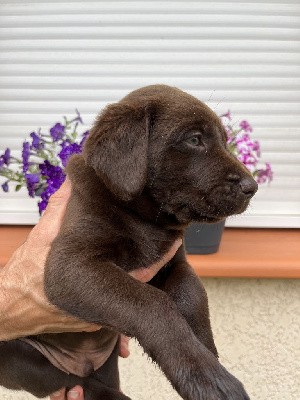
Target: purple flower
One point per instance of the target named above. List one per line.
(245, 126)
(227, 115)
(57, 132)
(255, 147)
(5, 187)
(248, 160)
(45, 181)
(67, 150)
(46, 194)
(42, 206)
(54, 174)
(5, 158)
(36, 141)
(230, 137)
(31, 181)
(84, 137)
(54, 177)
(25, 156)
(264, 175)
(247, 150)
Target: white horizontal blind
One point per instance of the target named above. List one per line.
(244, 56)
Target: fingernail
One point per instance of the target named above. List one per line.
(56, 394)
(73, 394)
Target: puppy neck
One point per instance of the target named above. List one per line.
(150, 210)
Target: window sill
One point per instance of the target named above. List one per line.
(247, 253)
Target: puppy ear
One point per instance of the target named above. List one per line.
(117, 149)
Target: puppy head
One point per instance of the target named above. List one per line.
(164, 142)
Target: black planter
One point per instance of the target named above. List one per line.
(203, 238)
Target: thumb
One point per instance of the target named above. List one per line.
(57, 202)
(49, 224)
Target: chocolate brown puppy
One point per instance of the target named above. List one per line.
(153, 163)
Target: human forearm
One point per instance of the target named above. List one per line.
(24, 309)
(14, 310)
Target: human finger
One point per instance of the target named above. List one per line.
(49, 224)
(146, 274)
(123, 349)
(59, 395)
(75, 393)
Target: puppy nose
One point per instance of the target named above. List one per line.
(248, 186)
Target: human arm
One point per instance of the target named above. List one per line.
(24, 308)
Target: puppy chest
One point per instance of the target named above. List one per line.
(130, 254)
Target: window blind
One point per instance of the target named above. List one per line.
(239, 55)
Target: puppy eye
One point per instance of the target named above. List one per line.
(194, 141)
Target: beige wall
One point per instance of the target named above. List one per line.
(257, 331)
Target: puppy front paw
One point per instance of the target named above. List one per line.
(212, 384)
(229, 386)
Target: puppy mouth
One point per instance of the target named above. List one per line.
(226, 211)
(207, 208)
(211, 212)
(188, 213)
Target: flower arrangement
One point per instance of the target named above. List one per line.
(41, 168)
(246, 149)
(44, 158)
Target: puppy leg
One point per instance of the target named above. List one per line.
(105, 383)
(24, 368)
(180, 282)
(109, 372)
(106, 295)
(107, 375)
(96, 390)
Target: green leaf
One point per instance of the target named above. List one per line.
(18, 187)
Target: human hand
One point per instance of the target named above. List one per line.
(75, 393)
(146, 274)
(24, 308)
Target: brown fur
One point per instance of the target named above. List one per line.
(138, 184)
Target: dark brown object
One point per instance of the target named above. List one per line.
(154, 162)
